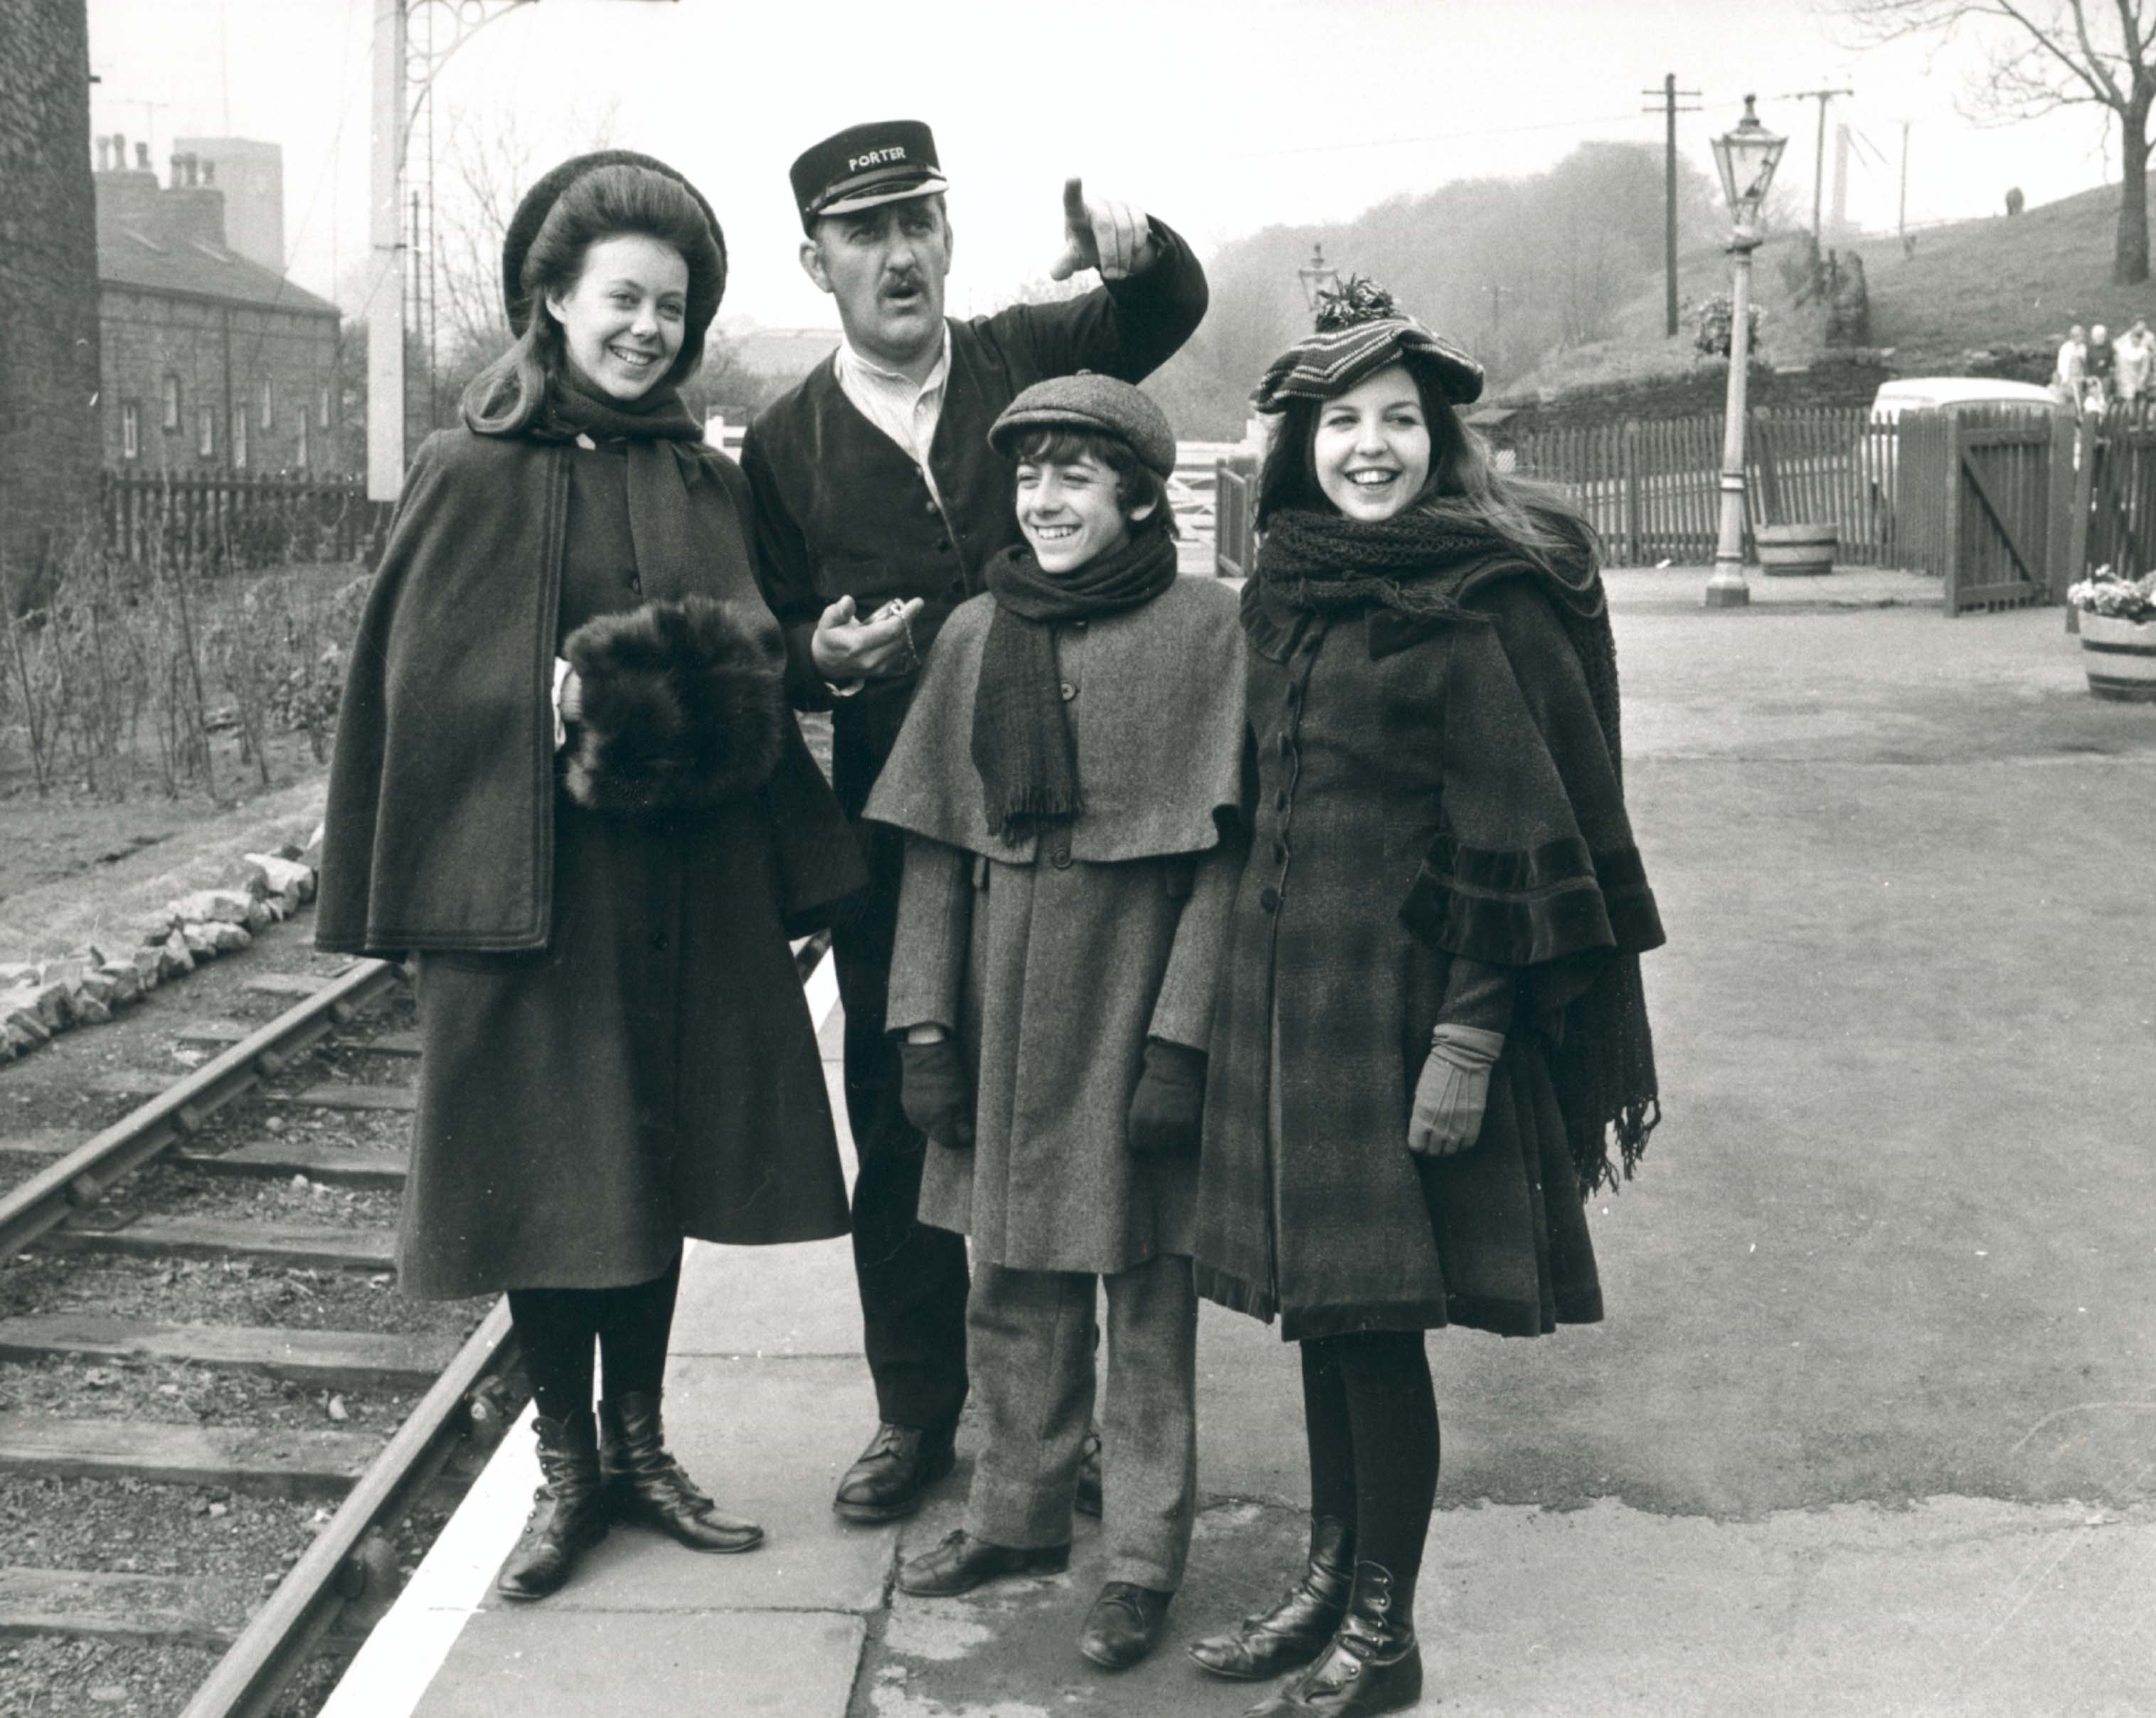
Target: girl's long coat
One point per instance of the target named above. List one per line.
(1431, 793)
(616, 1050)
(1056, 959)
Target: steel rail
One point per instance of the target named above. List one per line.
(87, 1174)
(343, 1566)
(340, 1567)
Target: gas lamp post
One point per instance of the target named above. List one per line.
(1746, 158)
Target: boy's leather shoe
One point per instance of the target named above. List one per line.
(885, 1484)
(1126, 1623)
(961, 1563)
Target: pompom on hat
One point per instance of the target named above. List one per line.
(1359, 331)
(1089, 401)
(707, 270)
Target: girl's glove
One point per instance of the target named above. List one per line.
(1169, 1103)
(935, 1093)
(1453, 1090)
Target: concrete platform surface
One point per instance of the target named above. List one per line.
(1871, 1426)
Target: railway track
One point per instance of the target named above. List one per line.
(222, 1439)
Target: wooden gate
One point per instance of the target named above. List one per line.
(2005, 529)
(1235, 518)
(2120, 490)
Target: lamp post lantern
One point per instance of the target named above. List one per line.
(1746, 158)
(1316, 275)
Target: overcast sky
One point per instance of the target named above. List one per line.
(1220, 115)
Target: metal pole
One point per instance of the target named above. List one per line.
(1901, 218)
(385, 294)
(1727, 589)
(1818, 167)
(1670, 207)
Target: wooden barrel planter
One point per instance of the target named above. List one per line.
(2120, 656)
(1796, 551)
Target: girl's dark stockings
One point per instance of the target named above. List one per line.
(557, 1327)
(1371, 1415)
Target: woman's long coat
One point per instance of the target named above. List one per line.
(637, 1064)
(1056, 959)
(1439, 822)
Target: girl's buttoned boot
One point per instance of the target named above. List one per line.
(575, 1517)
(645, 1483)
(1373, 1665)
(1297, 1629)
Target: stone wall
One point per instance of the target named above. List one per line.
(168, 360)
(1832, 382)
(48, 327)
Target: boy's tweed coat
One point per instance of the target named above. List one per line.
(1435, 800)
(617, 1049)
(1056, 958)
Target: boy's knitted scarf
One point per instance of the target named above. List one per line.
(1421, 564)
(1023, 746)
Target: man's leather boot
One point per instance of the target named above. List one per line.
(1297, 1629)
(645, 1483)
(885, 1483)
(572, 1515)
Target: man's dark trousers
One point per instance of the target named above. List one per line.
(912, 1276)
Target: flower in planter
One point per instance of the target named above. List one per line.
(2104, 592)
(1712, 322)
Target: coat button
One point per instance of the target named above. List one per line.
(1061, 858)
(1269, 898)
(635, 583)
(942, 545)
(1068, 691)
(929, 506)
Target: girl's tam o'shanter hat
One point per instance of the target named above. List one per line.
(1359, 331)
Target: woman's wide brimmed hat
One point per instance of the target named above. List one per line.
(707, 268)
(1359, 331)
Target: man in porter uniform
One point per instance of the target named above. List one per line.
(878, 503)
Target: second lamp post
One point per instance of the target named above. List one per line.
(1746, 158)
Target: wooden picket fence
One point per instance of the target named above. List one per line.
(234, 522)
(1650, 486)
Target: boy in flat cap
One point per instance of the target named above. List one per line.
(1070, 786)
(879, 504)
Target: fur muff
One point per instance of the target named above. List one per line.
(682, 709)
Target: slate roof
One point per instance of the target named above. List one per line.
(130, 258)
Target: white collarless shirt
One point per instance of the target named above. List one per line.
(905, 410)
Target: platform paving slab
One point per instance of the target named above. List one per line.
(543, 1662)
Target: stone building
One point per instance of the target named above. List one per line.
(211, 360)
(48, 329)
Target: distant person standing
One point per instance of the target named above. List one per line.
(2131, 363)
(2097, 366)
(2068, 377)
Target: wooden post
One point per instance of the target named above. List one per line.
(1632, 553)
(1950, 548)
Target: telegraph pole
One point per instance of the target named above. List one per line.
(1669, 92)
(1901, 218)
(1819, 162)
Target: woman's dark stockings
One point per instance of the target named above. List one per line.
(556, 1329)
(1371, 1415)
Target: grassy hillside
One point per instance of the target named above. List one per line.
(1987, 282)
(1969, 286)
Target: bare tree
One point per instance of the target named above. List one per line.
(2047, 55)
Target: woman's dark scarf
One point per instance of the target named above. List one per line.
(1422, 564)
(1023, 746)
(662, 435)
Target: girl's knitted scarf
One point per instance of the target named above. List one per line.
(1023, 746)
(1423, 564)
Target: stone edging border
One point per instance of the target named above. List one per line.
(39, 999)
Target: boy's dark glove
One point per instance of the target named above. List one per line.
(934, 1093)
(1168, 1107)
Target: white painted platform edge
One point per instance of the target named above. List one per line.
(392, 1672)
(396, 1666)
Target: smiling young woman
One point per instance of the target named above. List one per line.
(600, 891)
(1429, 1026)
